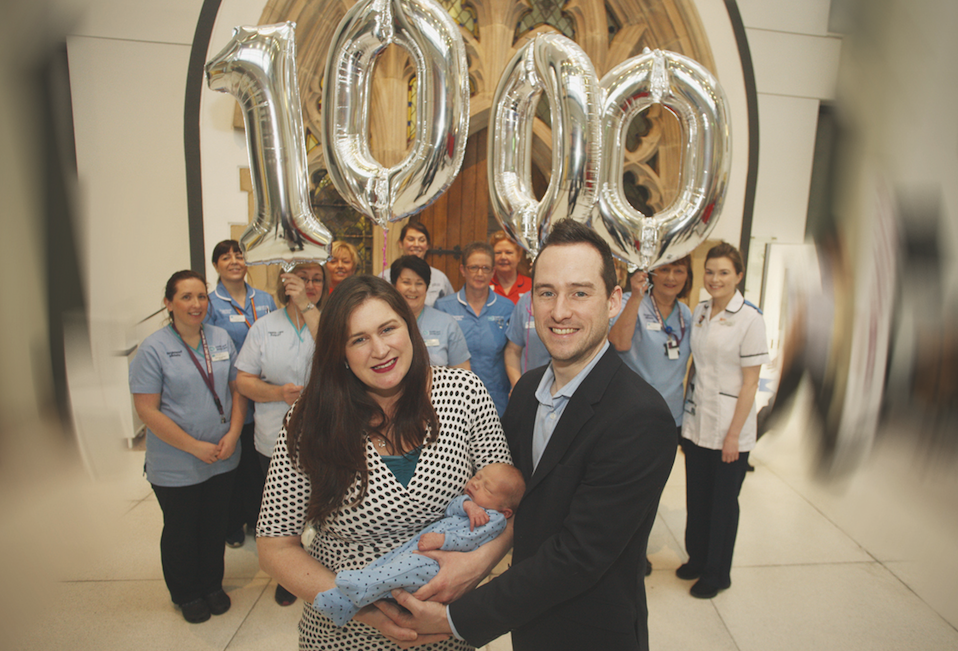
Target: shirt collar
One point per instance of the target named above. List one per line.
(461, 297)
(543, 393)
(736, 303)
(225, 295)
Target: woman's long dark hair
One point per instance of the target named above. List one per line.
(326, 431)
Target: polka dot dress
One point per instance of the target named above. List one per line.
(470, 437)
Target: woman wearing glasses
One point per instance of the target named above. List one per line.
(483, 316)
(653, 331)
(274, 364)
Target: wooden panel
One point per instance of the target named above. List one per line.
(461, 214)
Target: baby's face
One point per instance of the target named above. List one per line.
(488, 488)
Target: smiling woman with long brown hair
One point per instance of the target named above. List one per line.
(376, 447)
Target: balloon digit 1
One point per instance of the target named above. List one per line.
(427, 32)
(690, 92)
(558, 66)
(258, 67)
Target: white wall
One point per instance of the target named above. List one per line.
(796, 62)
(128, 63)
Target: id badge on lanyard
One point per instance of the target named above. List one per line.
(674, 341)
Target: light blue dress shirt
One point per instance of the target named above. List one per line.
(552, 406)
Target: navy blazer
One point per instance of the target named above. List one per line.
(581, 531)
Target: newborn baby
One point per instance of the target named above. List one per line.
(471, 521)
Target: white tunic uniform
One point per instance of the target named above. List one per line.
(277, 353)
(721, 347)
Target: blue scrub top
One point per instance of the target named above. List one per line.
(522, 332)
(222, 313)
(162, 365)
(443, 336)
(486, 338)
(648, 358)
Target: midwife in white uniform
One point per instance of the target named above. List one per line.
(719, 426)
(183, 385)
(274, 364)
(446, 344)
(414, 240)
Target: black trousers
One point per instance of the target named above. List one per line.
(248, 487)
(194, 526)
(711, 498)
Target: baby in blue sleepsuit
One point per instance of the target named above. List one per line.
(471, 521)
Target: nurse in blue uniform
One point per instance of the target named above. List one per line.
(719, 426)
(273, 365)
(524, 350)
(183, 385)
(235, 306)
(444, 339)
(652, 333)
(483, 316)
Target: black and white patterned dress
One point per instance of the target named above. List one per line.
(470, 437)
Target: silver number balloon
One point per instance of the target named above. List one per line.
(427, 32)
(690, 92)
(556, 65)
(258, 67)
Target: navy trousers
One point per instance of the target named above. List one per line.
(712, 489)
(194, 527)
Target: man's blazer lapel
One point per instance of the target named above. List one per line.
(577, 413)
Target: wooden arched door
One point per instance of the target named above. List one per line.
(462, 214)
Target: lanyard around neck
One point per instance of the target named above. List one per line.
(207, 375)
(667, 329)
(252, 302)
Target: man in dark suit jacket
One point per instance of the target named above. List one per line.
(595, 444)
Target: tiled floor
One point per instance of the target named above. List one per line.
(869, 564)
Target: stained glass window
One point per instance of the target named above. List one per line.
(464, 14)
(411, 109)
(546, 12)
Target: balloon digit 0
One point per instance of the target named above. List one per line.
(258, 67)
(690, 92)
(427, 32)
(556, 65)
